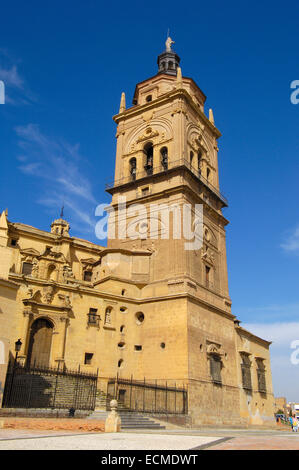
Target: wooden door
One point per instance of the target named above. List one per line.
(40, 343)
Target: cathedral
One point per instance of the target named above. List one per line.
(144, 306)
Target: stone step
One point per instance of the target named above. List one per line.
(129, 420)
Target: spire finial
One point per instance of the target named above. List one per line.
(122, 106)
(61, 212)
(179, 78)
(168, 43)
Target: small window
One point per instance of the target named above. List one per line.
(138, 347)
(122, 329)
(208, 269)
(123, 291)
(191, 158)
(87, 276)
(148, 98)
(162, 345)
(133, 168)
(199, 156)
(93, 317)
(123, 309)
(121, 345)
(208, 173)
(27, 269)
(13, 242)
(88, 358)
(120, 363)
(149, 152)
(139, 318)
(145, 191)
(164, 157)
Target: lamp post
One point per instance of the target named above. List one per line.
(18, 345)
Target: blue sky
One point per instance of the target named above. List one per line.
(65, 65)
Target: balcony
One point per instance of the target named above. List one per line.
(171, 167)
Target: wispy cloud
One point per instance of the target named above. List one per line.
(292, 242)
(59, 166)
(16, 89)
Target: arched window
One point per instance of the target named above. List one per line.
(191, 159)
(170, 65)
(208, 173)
(199, 155)
(149, 98)
(133, 168)
(149, 152)
(164, 157)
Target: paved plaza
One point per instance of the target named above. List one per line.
(176, 439)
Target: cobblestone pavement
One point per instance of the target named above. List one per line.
(171, 439)
(17, 440)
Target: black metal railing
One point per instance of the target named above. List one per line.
(45, 387)
(148, 397)
(182, 162)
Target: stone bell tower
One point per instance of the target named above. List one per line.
(167, 154)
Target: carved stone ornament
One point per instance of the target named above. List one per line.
(147, 116)
(65, 300)
(67, 272)
(208, 256)
(48, 294)
(214, 348)
(148, 134)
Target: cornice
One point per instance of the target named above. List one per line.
(163, 99)
(244, 332)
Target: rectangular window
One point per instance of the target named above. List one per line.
(87, 276)
(261, 376)
(27, 269)
(13, 242)
(88, 358)
(138, 347)
(145, 191)
(215, 368)
(93, 317)
(246, 372)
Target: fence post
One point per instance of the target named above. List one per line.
(12, 367)
(131, 385)
(56, 383)
(166, 397)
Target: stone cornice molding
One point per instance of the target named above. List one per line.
(164, 99)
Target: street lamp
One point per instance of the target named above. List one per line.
(18, 345)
